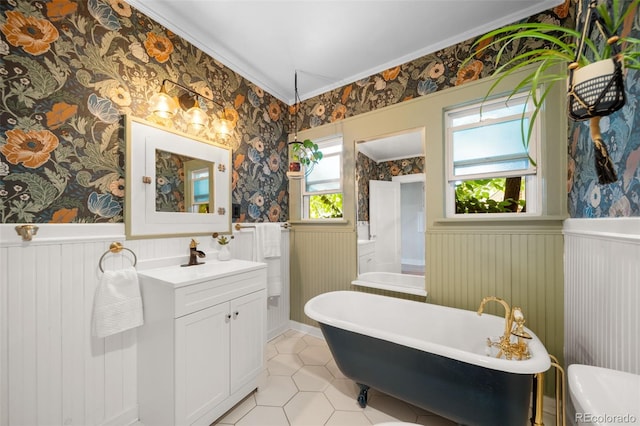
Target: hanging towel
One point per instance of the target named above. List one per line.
(268, 240)
(274, 277)
(268, 237)
(117, 304)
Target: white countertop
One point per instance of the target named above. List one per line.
(180, 276)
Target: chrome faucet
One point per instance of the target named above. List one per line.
(194, 254)
(518, 349)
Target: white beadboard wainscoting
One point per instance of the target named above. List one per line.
(243, 247)
(52, 370)
(602, 293)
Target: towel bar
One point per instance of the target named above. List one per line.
(239, 226)
(116, 247)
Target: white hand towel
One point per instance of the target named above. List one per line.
(268, 240)
(274, 277)
(117, 304)
(268, 237)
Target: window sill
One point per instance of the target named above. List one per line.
(321, 222)
(497, 221)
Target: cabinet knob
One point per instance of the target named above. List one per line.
(228, 316)
(235, 314)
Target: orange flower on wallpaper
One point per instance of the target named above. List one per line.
(480, 50)
(391, 74)
(235, 177)
(338, 113)
(60, 113)
(274, 213)
(274, 111)
(32, 34)
(232, 115)
(562, 11)
(117, 187)
(238, 161)
(30, 148)
(345, 93)
(238, 101)
(64, 215)
(469, 72)
(121, 7)
(158, 47)
(58, 9)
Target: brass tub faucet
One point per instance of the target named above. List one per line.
(513, 325)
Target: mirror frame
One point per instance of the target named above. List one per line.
(142, 220)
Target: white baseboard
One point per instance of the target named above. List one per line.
(126, 418)
(304, 328)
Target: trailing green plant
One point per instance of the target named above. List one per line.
(559, 46)
(306, 152)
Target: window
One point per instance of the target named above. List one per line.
(322, 185)
(489, 168)
(198, 185)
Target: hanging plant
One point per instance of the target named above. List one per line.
(561, 46)
(306, 152)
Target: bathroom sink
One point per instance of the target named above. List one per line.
(602, 396)
(211, 269)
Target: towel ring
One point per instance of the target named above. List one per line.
(116, 247)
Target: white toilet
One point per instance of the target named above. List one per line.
(602, 396)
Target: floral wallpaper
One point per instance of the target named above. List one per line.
(71, 69)
(367, 169)
(170, 182)
(442, 70)
(621, 134)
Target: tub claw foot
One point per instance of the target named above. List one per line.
(363, 396)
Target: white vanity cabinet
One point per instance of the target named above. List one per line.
(201, 349)
(366, 256)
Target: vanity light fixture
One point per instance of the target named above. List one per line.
(165, 106)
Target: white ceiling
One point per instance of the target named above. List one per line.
(330, 43)
(394, 147)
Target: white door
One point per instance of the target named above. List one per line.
(202, 359)
(248, 337)
(384, 223)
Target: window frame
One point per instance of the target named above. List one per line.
(306, 195)
(532, 175)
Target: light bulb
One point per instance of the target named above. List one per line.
(163, 105)
(196, 118)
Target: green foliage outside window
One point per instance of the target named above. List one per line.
(487, 196)
(325, 206)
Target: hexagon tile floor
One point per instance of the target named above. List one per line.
(305, 388)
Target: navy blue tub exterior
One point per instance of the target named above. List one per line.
(464, 393)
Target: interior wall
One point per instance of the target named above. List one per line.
(621, 134)
(412, 222)
(519, 260)
(66, 88)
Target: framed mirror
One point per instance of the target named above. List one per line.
(177, 184)
(390, 188)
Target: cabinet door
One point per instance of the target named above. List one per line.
(248, 337)
(202, 360)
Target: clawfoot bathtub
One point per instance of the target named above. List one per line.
(432, 356)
